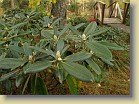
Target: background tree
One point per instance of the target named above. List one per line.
(59, 9)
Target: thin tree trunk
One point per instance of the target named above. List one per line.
(12, 4)
(59, 10)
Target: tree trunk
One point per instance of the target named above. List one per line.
(12, 4)
(59, 10)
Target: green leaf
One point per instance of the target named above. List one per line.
(46, 21)
(7, 85)
(98, 78)
(8, 63)
(65, 29)
(18, 25)
(72, 84)
(56, 22)
(65, 49)
(60, 74)
(19, 80)
(27, 50)
(2, 24)
(99, 49)
(60, 45)
(25, 33)
(56, 32)
(16, 49)
(41, 88)
(107, 61)
(8, 75)
(112, 46)
(25, 83)
(79, 25)
(74, 30)
(33, 84)
(98, 32)
(90, 28)
(78, 56)
(49, 52)
(2, 42)
(46, 34)
(94, 66)
(37, 67)
(78, 71)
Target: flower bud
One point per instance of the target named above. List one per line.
(83, 37)
(58, 56)
(30, 57)
(55, 38)
(5, 38)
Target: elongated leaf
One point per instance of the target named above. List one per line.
(94, 66)
(74, 30)
(49, 52)
(18, 25)
(25, 84)
(46, 34)
(51, 32)
(65, 49)
(19, 80)
(25, 33)
(46, 21)
(65, 29)
(7, 85)
(38, 49)
(78, 56)
(27, 50)
(2, 42)
(98, 78)
(56, 22)
(99, 49)
(8, 75)
(2, 24)
(60, 45)
(98, 32)
(60, 74)
(41, 88)
(78, 71)
(56, 32)
(33, 84)
(79, 25)
(107, 61)
(112, 46)
(90, 28)
(72, 84)
(8, 63)
(38, 66)
(16, 49)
